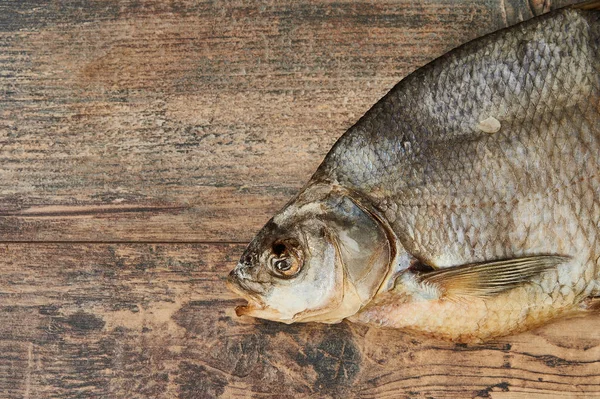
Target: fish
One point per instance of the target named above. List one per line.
(464, 205)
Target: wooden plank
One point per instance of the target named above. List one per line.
(188, 121)
(156, 321)
(195, 121)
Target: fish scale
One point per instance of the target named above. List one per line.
(439, 171)
(489, 153)
(464, 195)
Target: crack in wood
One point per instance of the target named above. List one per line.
(89, 210)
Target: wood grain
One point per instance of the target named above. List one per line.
(155, 320)
(142, 143)
(190, 121)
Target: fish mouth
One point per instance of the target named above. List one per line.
(240, 287)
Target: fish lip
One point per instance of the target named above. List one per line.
(236, 285)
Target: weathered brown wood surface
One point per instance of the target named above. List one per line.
(142, 143)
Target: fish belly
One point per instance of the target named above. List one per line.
(475, 319)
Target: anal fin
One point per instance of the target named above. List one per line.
(592, 304)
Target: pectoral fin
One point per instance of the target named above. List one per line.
(588, 5)
(489, 278)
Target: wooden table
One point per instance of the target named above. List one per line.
(143, 143)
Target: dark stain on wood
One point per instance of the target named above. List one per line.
(81, 321)
(335, 359)
(485, 393)
(195, 381)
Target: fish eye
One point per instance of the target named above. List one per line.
(287, 266)
(286, 259)
(282, 265)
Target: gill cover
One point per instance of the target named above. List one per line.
(364, 248)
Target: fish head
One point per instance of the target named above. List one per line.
(322, 258)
